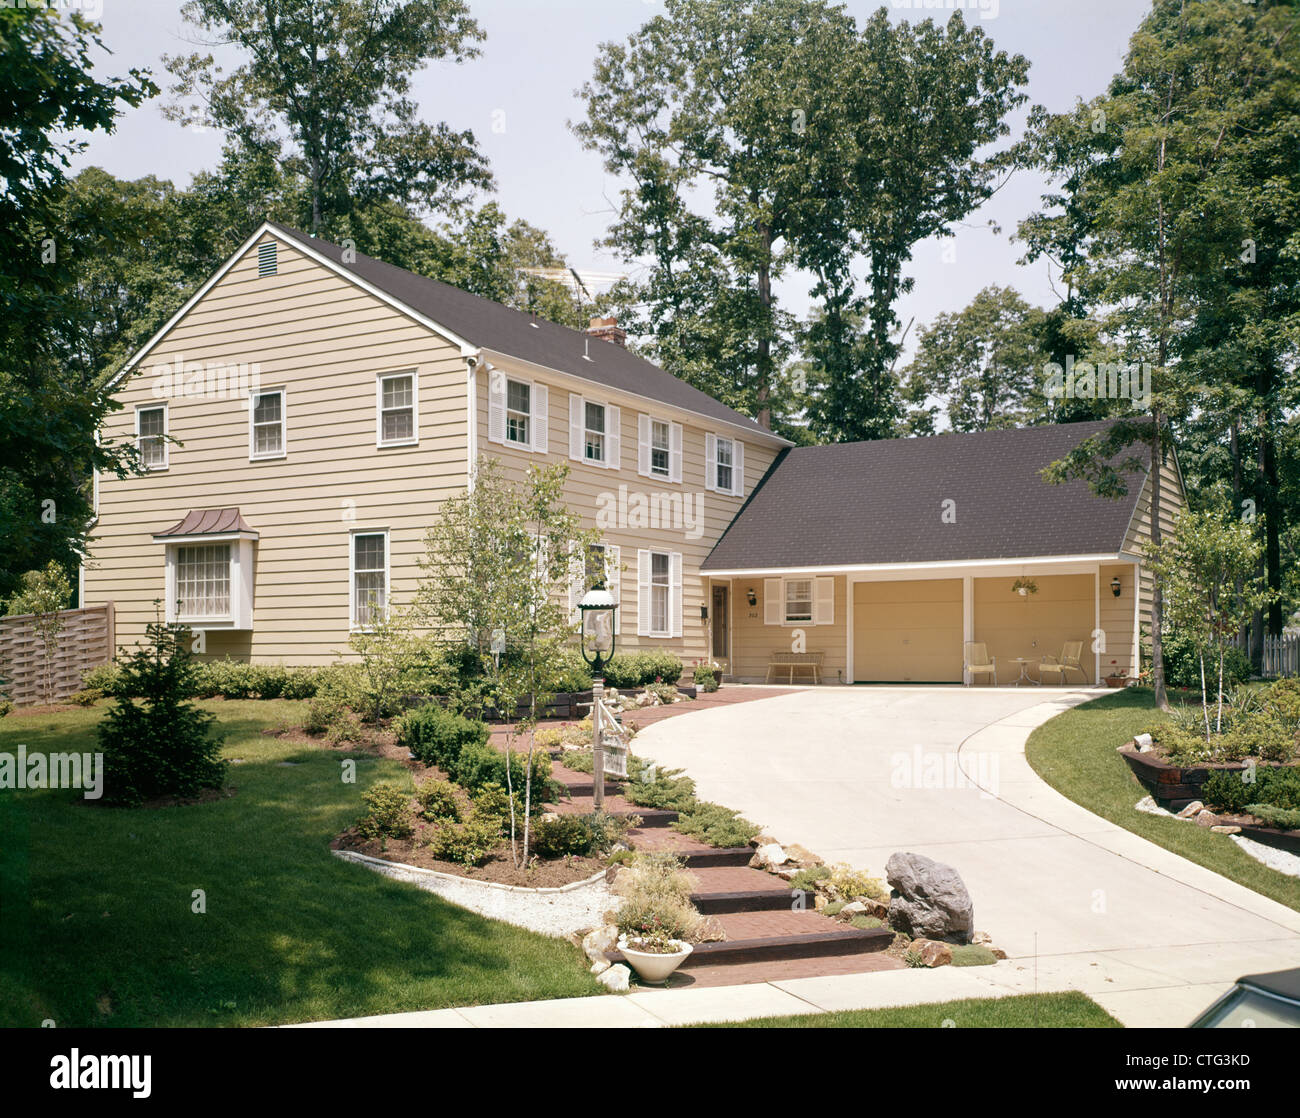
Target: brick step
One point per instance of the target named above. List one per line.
(751, 900)
(715, 856)
(586, 789)
(768, 949)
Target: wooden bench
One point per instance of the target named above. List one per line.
(793, 662)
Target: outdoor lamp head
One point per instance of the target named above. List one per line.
(597, 608)
(1115, 586)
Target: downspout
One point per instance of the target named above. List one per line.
(472, 362)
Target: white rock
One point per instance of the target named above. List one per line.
(1143, 743)
(769, 856)
(1191, 809)
(617, 979)
(600, 966)
(595, 944)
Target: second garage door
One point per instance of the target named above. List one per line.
(907, 632)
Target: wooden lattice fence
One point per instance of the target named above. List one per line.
(87, 639)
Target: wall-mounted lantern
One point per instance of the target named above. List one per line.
(1115, 586)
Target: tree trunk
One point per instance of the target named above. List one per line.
(1157, 592)
(763, 363)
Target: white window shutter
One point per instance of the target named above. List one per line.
(642, 592)
(824, 602)
(737, 468)
(643, 445)
(496, 406)
(674, 595)
(614, 581)
(675, 453)
(711, 462)
(541, 418)
(773, 604)
(613, 436)
(575, 426)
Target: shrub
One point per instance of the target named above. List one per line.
(321, 714)
(665, 788)
(854, 884)
(437, 737)
(345, 726)
(299, 683)
(1260, 734)
(807, 879)
(438, 800)
(343, 684)
(912, 957)
(575, 675)
(102, 677)
(6, 705)
(972, 955)
(86, 697)
(706, 679)
(666, 693)
(831, 909)
(560, 836)
(1183, 666)
(863, 922)
(1284, 818)
(389, 814)
(163, 745)
(468, 843)
(548, 738)
(491, 801)
(636, 669)
(715, 824)
(479, 764)
(656, 892)
(1228, 791)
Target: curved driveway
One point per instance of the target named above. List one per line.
(857, 773)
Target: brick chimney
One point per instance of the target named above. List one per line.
(607, 329)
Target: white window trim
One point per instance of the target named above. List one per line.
(645, 448)
(167, 422)
(283, 452)
(786, 619)
(613, 433)
(353, 627)
(526, 444)
(645, 580)
(379, 408)
(539, 413)
(240, 615)
(737, 465)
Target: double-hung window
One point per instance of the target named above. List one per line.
(724, 465)
(798, 599)
(518, 413)
(266, 424)
(659, 593)
(369, 577)
(593, 433)
(660, 448)
(150, 436)
(398, 409)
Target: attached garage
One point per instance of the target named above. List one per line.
(907, 632)
(1034, 625)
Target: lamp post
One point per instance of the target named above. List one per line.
(597, 636)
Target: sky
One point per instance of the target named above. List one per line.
(520, 94)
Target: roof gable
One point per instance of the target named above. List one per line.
(884, 502)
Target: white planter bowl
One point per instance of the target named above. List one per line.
(653, 967)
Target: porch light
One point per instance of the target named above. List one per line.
(1115, 586)
(704, 613)
(753, 598)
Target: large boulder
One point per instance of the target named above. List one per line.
(929, 899)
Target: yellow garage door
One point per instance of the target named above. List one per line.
(907, 632)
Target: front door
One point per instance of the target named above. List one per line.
(721, 622)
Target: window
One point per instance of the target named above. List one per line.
(369, 577)
(594, 433)
(724, 461)
(799, 599)
(724, 465)
(659, 592)
(659, 447)
(150, 440)
(266, 437)
(518, 412)
(202, 582)
(397, 409)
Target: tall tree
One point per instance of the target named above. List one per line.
(324, 91)
(49, 99)
(817, 147)
(1151, 203)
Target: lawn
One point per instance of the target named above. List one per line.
(1023, 1011)
(1075, 754)
(96, 901)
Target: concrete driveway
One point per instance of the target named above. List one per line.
(1079, 903)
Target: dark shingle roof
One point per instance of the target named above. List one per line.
(882, 502)
(495, 326)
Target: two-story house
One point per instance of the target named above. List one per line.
(304, 414)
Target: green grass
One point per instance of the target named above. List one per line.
(96, 902)
(1023, 1011)
(1075, 754)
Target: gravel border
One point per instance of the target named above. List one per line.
(1281, 860)
(554, 911)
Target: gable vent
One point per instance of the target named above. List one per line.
(266, 258)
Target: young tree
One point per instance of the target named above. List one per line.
(498, 564)
(43, 594)
(1207, 569)
(324, 91)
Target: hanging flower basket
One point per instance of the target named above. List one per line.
(1024, 587)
